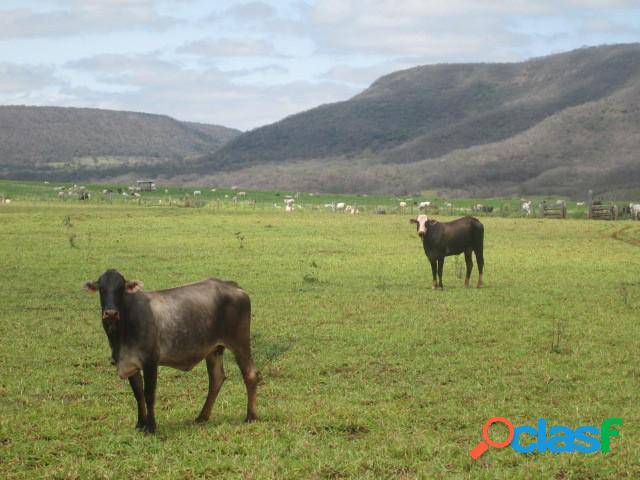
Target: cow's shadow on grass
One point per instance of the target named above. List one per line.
(267, 350)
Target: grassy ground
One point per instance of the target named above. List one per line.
(367, 373)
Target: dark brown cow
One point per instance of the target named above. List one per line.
(178, 328)
(464, 235)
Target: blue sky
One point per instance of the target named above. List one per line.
(244, 64)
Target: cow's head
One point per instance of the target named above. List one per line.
(112, 287)
(421, 224)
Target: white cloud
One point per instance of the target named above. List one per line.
(16, 78)
(212, 96)
(227, 47)
(86, 17)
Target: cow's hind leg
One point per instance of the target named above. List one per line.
(480, 262)
(469, 261)
(250, 376)
(136, 385)
(215, 369)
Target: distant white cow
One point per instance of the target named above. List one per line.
(341, 206)
(403, 205)
(348, 209)
(579, 204)
(136, 194)
(526, 207)
(197, 192)
(634, 208)
(242, 194)
(424, 205)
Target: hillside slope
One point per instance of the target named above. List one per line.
(57, 142)
(556, 124)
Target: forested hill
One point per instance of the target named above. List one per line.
(556, 124)
(56, 142)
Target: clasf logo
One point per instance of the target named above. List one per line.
(556, 439)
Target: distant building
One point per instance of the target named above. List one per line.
(146, 185)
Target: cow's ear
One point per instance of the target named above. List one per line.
(413, 220)
(134, 286)
(91, 287)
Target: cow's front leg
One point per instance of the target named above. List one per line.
(434, 272)
(136, 385)
(150, 372)
(440, 268)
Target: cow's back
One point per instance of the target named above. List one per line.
(192, 319)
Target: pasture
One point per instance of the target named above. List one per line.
(366, 372)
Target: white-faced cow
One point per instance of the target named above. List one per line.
(464, 235)
(178, 328)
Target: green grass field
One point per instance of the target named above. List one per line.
(366, 372)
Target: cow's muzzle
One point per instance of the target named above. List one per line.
(421, 233)
(110, 314)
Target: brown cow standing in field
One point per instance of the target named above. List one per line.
(464, 235)
(177, 327)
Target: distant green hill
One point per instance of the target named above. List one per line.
(558, 124)
(69, 143)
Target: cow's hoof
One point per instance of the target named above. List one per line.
(150, 429)
(201, 419)
(250, 419)
(140, 426)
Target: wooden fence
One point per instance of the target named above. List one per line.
(603, 212)
(553, 210)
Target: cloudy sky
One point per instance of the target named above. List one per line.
(248, 63)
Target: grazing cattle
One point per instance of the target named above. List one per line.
(482, 208)
(136, 194)
(242, 194)
(197, 192)
(424, 205)
(178, 328)
(464, 235)
(527, 207)
(84, 196)
(634, 209)
(403, 205)
(341, 206)
(579, 204)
